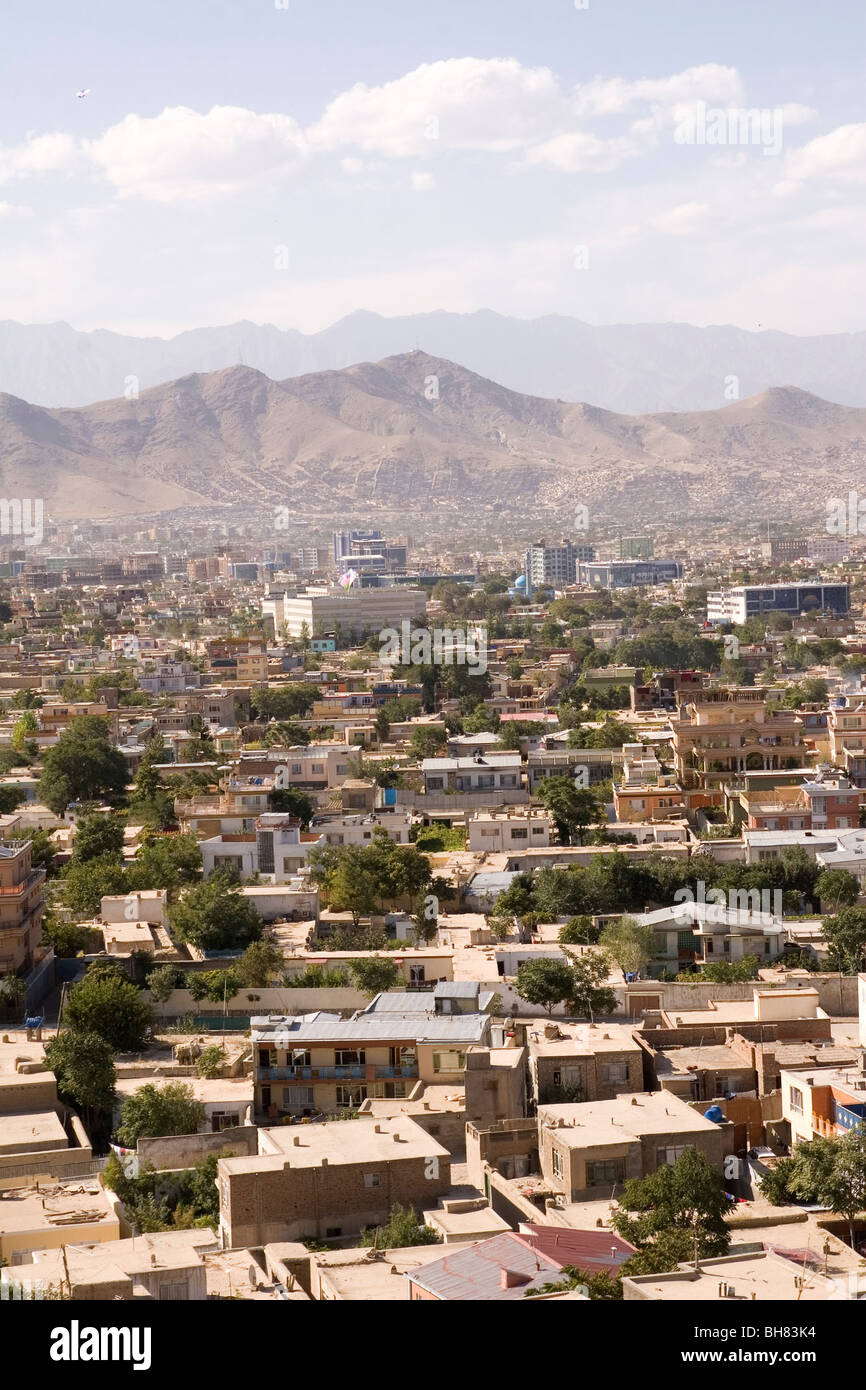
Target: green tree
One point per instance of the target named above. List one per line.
(84, 1066)
(590, 994)
(573, 808)
(82, 766)
(210, 1062)
(214, 915)
(403, 1228)
(283, 701)
(292, 802)
(162, 982)
(845, 935)
(170, 862)
(676, 1213)
(107, 1003)
(95, 836)
(373, 974)
(427, 740)
(837, 888)
(261, 963)
(156, 1111)
(578, 931)
(629, 943)
(545, 981)
(86, 883)
(10, 800)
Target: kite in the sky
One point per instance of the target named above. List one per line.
(85, 91)
(348, 579)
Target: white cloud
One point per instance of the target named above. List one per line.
(421, 182)
(840, 154)
(491, 104)
(684, 220)
(581, 152)
(616, 96)
(56, 153)
(185, 154)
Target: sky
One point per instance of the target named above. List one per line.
(293, 161)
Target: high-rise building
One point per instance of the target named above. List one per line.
(554, 565)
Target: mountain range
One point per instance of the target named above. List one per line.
(629, 368)
(429, 440)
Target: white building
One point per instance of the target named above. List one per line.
(500, 831)
(353, 611)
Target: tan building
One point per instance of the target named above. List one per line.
(602, 1144)
(50, 1215)
(326, 1181)
(583, 1061)
(21, 909)
(327, 1064)
(167, 1266)
(730, 731)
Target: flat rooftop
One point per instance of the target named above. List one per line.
(29, 1133)
(55, 1206)
(583, 1039)
(622, 1120)
(760, 1277)
(235, 1089)
(365, 1275)
(338, 1141)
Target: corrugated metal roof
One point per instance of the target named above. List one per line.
(592, 1251)
(474, 1273)
(456, 1028)
(402, 1002)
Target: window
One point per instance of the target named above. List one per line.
(795, 1098)
(614, 1073)
(298, 1098)
(449, 1061)
(520, 834)
(173, 1293)
(435, 784)
(296, 769)
(556, 1161)
(350, 1097)
(350, 1057)
(605, 1172)
(670, 1154)
(372, 1180)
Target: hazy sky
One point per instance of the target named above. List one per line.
(290, 165)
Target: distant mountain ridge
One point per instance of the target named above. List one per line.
(421, 435)
(629, 368)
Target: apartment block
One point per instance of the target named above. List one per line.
(585, 1148)
(22, 909)
(325, 1181)
(327, 1064)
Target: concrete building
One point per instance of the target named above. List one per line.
(489, 772)
(603, 1144)
(583, 1061)
(744, 601)
(554, 566)
(166, 1266)
(700, 933)
(497, 832)
(629, 574)
(827, 1103)
(21, 909)
(328, 1181)
(328, 1064)
(729, 731)
(356, 612)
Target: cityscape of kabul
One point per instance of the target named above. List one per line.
(432, 667)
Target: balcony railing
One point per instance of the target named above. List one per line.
(356, 1073)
